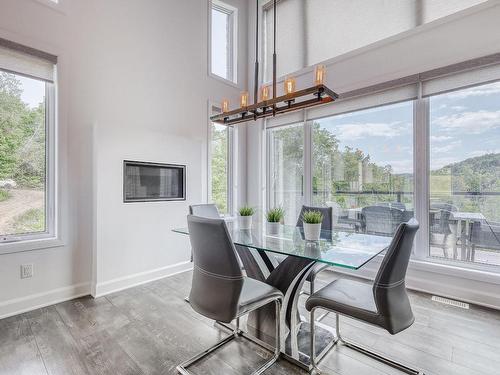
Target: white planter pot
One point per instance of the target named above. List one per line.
(245, 222)
(272, 228)
(312, 231)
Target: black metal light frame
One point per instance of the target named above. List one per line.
(306, 98)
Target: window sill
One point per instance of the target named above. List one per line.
(30, 245)
(223, 80)
(487, 274)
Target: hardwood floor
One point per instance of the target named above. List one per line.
(150, 330)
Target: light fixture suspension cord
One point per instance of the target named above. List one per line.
(274, 57)
(256, 78)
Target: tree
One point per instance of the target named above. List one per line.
(22, 136)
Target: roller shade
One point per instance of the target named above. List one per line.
(461, 80)
(26, 61)
(355, 103)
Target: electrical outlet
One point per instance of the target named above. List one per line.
(26, 271)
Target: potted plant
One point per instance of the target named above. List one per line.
(245, 217)
(274, 217)
(312, 224)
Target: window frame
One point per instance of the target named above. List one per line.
(50, 237)
(232, 40)
(231, 162)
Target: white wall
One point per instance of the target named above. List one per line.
(133, 83)
(469, 34)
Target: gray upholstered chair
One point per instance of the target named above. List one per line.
(381, 220)
(204, 210)
(384, 304)
(219, 290)
(326, 224)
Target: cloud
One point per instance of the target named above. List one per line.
(446, 148)
(459, 107)
(470, 122)
(440, 138)
(491, 89)
(348, 132)
(437, 163)
(399, 166)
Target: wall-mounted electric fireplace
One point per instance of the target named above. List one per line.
(148, 182)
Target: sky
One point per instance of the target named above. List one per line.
(219, 43)
(33, 91)
(464, 124)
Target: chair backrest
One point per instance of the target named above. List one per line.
(389, 288)
(326, 224)
(382, 220)
(204, 210)
(217, 276)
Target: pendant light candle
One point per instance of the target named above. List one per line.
(265, 92)
(244, 99)
(319, 75)
(225, 105)
(289, 85)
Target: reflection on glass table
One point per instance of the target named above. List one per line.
(335, 248)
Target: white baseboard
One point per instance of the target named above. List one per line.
(21, 305)
(121, 283)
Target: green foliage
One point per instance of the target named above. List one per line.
(312, 217)
(22, 136)
(274, 215)
(219, 167)
(32, 220)
(4, 195)
(246, 211)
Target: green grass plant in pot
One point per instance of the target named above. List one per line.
(245, 214)
(274, 217)
(312, 224)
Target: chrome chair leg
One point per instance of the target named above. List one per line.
(379, 357)
(182, 368)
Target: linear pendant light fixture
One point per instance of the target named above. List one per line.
(292, 100)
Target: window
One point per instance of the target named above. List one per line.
(363, 167)
(302, 22)
(427, 149)
(286, 169)
(464, 176)
(221, 166)
(223, 51)
(26, 146)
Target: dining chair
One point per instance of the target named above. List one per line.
(219, 289)
(442, 224)
(381, 220)
(326, 224)
(205, 210)
(384, 303)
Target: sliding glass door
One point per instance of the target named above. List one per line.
(464, 175)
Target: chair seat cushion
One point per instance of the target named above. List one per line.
(255, 293)
(346, 297)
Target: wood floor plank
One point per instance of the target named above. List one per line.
(150, 329)
(19, 354)
(57, 346)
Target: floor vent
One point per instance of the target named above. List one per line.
(450, 302)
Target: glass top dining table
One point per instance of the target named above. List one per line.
(336, 248)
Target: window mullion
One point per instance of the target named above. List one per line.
(421, 173)
(307, 179)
